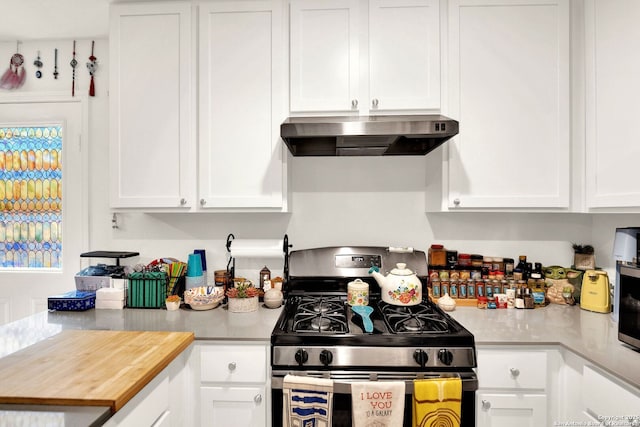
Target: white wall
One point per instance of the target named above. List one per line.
(335, 201)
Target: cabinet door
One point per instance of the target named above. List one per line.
(608, 399)
(325, 55)
(241, 158)
(233, 406)
(151, 147)
(612, 93)
(509, 83)
(511, 409)
(404, 54)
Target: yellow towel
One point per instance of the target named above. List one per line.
(436, 402)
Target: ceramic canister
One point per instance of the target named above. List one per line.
(358, 292)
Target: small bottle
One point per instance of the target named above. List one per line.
(536, 273)
(453, 289)
(444, 287)
(480, 288)
(435, 288)
(520, 269)
(528, 299)
(471, 289)
(265, 280)
(488, 288)
(508, 267)
(519, 301)
(462, 289)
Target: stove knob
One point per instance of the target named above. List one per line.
(326, 357)
(421, 357)
(301, 356)
(445, 356)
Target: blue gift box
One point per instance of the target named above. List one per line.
(72, 301)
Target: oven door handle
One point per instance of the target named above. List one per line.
(343, 384)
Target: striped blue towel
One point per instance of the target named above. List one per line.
(306, 402)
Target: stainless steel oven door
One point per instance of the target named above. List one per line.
(341, 416)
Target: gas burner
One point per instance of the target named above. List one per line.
(420, 318)
(320, 323)
(320, 314)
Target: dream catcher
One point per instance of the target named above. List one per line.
(15, 76)
(91, 66)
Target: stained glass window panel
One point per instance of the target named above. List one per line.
(31, 197)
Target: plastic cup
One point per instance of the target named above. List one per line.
(203, 258)
(194, 265)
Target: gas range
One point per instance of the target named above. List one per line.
(319, 330)
(319, 335)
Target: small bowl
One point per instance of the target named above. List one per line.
(172, 305)
(204, 297)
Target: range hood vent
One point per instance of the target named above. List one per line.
(414, 135)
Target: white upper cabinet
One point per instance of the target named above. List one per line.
(404, 55)
(612, 93)
(241, 105)
(237, 161)
(509, 89)
(324, 57)
(360, 57)
(152, 148)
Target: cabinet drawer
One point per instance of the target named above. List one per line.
(605, 397)
(233, 363)
(512, 369)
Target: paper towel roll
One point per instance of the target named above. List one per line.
(256, 248)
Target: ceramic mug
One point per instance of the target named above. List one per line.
(358, 293)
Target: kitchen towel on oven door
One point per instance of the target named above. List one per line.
(437, 402)
(377, 403)
(306, 401)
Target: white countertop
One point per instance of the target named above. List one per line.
(593, 336)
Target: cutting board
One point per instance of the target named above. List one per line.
(89, 368)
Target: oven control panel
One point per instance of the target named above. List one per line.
(366, 356)
(358, 261)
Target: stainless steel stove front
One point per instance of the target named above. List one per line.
(347, 357)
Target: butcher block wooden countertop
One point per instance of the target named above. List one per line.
(88, 368)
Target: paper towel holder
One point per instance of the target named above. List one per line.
(231, 264)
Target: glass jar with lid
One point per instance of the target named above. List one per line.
(437, 255)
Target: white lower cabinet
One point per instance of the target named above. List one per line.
(513, 387)
(501, 409)
(234, 385)
(232, 406)
(607, 399)
(164, 402)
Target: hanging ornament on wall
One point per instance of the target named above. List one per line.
(55, 64)
(38, 64)
(91, 66)
(73, 64)
(15, 76)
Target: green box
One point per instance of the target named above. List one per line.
(147, 289)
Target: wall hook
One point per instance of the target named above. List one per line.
(114, 221)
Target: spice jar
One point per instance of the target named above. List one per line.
(476, 260)
(471, 289)
(482, 302)
(480, 288)
(435, 288)
(437, 256)
(464, 260)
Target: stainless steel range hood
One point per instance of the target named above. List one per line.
(413, 135)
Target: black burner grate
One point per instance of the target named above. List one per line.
(320, 314)
(414, 319)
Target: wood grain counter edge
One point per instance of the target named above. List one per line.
(88, 368)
